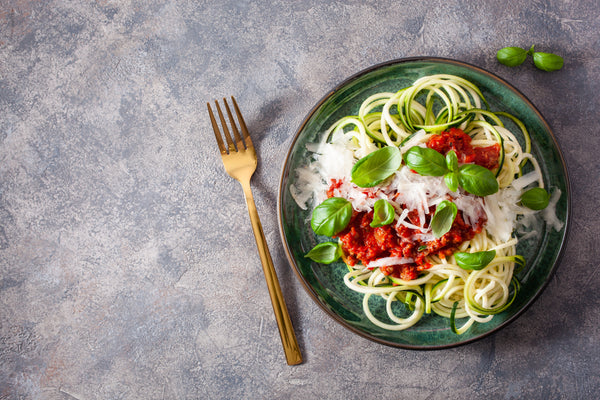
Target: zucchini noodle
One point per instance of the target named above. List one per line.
(410, 117)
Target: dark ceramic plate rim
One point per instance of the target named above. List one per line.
(285, 172)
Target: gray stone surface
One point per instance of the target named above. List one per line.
(128, 269)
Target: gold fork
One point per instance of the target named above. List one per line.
(240, 162)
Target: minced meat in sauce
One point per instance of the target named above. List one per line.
(363, 243)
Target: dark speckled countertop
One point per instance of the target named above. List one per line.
(128, 269)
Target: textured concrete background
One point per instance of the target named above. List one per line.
(128, 269)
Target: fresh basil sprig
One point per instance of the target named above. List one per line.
(474, 261)
(473, 178)
(513, 56)
(452, 161)
(477, 180)
(425, 161)
(376, 167)
(331, 216)
(451, 177)
(443, 218)
(547, 61)
(325, 253)
(535, 198)
(383, 213)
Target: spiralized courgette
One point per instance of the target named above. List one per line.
(407, 118)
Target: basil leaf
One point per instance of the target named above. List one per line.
(383, 213)
(547, 61)
(425, 161)
(511, 56)
(474, 261)
(535, 198)
(442, 219)
(331, 216)
(374, 168)
(451, 179)
(452, 161)
(325, 253)
(477, 180)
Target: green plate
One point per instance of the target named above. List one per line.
(324, 282)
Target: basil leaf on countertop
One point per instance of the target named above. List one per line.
(331, 216)
(512, 56)
(547, 61)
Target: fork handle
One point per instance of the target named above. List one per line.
(284, 323)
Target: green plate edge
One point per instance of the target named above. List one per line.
(324, 283)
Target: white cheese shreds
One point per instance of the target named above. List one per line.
(500, 217)
(402, 217)
(335, 161)
(549, 212)
(308, 183)
(417, 138)
(525, 180)
(471, 207)
(408, 191)
(387, 261)
(415, 227)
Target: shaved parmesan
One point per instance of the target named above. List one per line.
(408, 191)
(549, 212)
(525, 180)
(387, 261)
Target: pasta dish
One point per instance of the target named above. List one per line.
(421, 194)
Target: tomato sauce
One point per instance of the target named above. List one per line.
(455, 139)
(335, 184)
(362, 243)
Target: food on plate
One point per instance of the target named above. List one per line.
(424, 195)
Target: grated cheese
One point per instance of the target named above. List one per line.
(387, 261)
(408, 191)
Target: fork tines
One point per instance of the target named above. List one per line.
(241, 143)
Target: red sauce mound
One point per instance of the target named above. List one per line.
(455, 139)
(335, 184)
(362, 243)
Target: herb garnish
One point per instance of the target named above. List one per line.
(473, 178)
(474, 261)
(535, 198)
(513, 56)
(443, 218)
(331, 216)
(325, 253)
(383, 213)
(376, 167)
